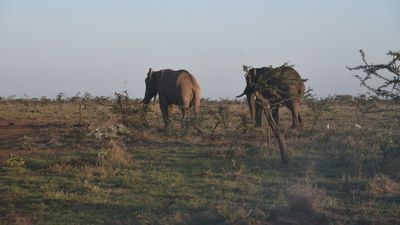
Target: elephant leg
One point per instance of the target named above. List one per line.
(251, 100)
(275, 113)
(170, 109)
(184, 115)
(258, 115)
(164, 111)
(300, 120)
(294, 109)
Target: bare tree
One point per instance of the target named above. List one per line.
(387, 76)
(387, 85)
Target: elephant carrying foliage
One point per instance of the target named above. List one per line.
(173, 88)
(281, 86)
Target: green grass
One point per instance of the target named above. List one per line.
(63, 174)
(165, 181)
(201, 184)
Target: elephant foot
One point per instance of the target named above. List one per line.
(162, 129)
(296, 126)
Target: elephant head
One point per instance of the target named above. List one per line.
(252, 76)
(151, 87)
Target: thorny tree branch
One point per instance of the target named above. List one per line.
(390, 82)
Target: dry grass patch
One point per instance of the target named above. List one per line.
(115, 155)
(383, 186)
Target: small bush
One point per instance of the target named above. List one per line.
(131, 113)
(319, 109)
(306, 197)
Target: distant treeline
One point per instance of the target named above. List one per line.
(103, 99)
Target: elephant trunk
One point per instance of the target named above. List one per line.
(251, 100)
(148, 97)
(145, 101)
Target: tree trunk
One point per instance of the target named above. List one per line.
(275, 128)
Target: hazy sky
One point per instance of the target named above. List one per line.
(102, 47)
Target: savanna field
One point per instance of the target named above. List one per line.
(93, 160)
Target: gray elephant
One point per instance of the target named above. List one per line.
(173, 88)
(281, 86)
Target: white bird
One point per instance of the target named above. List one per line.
(357, 125)
(327, 126)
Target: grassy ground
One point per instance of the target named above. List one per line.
(59, 165)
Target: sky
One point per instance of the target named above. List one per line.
(102, 47)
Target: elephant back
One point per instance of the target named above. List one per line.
(180, 87)
(282, 82)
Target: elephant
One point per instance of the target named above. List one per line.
(173, 88)
(281, 86)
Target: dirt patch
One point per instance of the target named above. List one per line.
(17, 219)
(13, 135)
(14, 131)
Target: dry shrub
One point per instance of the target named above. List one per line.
(62, 167)
(28, 143)
(91, 188)
(306, 197)
(229, 210)
(227, 153)
(15, 162)
(382, 185)
(360, 154)
(115, 155)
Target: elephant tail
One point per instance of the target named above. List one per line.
(196, 99)
(302, 88)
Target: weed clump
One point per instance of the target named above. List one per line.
(115, 155)
(15, 162)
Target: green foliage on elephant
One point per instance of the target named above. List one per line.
(282, 83)
(281, 86)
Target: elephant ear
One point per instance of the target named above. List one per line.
(150, 72)
(246, 68)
